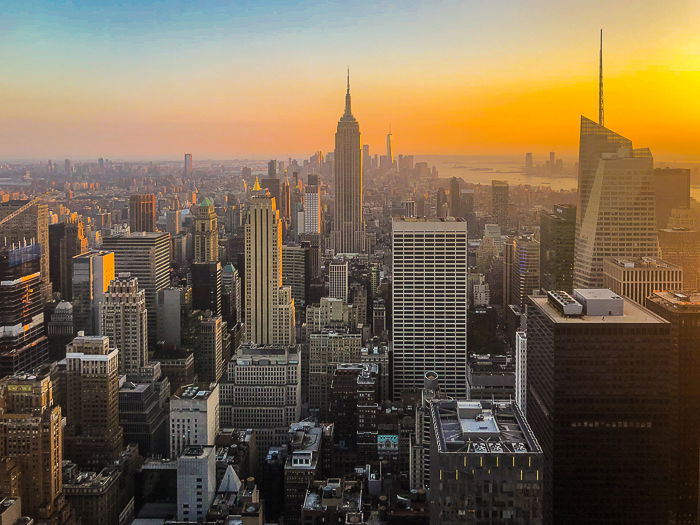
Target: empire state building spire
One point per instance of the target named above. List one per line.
(348, 111)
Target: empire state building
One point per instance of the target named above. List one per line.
(348, 234)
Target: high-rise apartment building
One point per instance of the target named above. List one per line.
(206, 232)
(124, 320)
(92, 273)
(142, 213)
(600, 399)
(616, 210)
(480, 452)
(557, 235)
(269, 305)
(145, 256)
(66, 240)
(682, 310)
(31, 435)
(338, 280)
(23, 342)
(348, 235)
(638, 278)
(430, 302)
(521, 269)
(500, 203)
(23, 220)
(194, 417)
(93, 436)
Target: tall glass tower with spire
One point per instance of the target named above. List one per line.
(348, 235)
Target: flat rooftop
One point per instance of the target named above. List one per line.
(678, 300)
(633, 313)
(193, 392)
(641, 263)
(482, 427)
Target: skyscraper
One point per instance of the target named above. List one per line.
(206, 233)
(312, 206)
(557, 234)
(455, 198)
(92, 273)
(599, 375)
(207, 286)
(145, 256)
(269, 305)
(637, 279)
(66, 240)
(31, 433)
(188, 164)
(500, 203)
(142, 213)
(93, 435)
(348, 234)
(430, 301)
(22, 220)
(671, 190)
(389, 152)
(522, 269)
(23, 342)
(194, 416)
(123, 319)
(338, 280)
(616, 203)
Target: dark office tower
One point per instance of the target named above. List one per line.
(366, 158)
(671, 190)
(273, 186)
(145, 256)
(285, 202)
(681, 246)
(348, 235)
(471, 479)
(23, 342)
(295, 272)
(22, 220)
(682, 310)
(600, 399)
(455, 198)
(616, 203)
(142, 213)
(500, 203)
(557, 234)
(60, 330)
(188, 164)
(272, 169)
(206, 287)
(66, 240)
(93, 436)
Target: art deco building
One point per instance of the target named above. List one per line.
(430, 302)
(23, 342)
(638, 278)
(348, 235)
(93, 434)
(616, 210)
(123, 319)
(145, 256)
(601, 399)
(206, 233)
(31, 434)
(142, 213)
(269, 305)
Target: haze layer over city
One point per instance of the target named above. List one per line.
(374, 263)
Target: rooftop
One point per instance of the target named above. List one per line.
(641, 263)
(482, 427)
(686, 300)
(337, 493)
(632, 313)
(193, 392)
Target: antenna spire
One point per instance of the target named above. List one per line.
(348, 112)
(601, 119)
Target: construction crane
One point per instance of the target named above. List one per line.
(23, 208)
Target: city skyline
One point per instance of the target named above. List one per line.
(248, 75)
